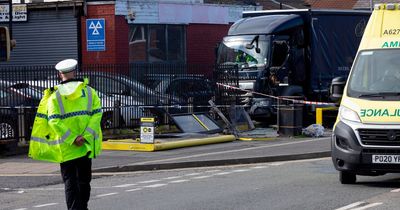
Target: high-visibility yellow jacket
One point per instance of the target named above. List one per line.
(72, 110)
(43, 144)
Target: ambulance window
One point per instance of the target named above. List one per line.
(360, 78)
(375, 72)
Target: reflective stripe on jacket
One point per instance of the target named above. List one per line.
(43, 144)
(73, 109)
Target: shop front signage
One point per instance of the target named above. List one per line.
(19, 11)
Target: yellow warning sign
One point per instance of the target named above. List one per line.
(147, 119)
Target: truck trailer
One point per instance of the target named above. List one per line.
(292, 53)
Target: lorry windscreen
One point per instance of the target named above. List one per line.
(375, 73)
(242, 50)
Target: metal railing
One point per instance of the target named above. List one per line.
(127, 92)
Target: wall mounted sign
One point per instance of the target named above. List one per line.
(19, 11)
(95, 34)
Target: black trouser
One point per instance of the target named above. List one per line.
(77, 175)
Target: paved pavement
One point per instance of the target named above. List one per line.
(236, 152)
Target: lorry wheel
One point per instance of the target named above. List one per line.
(107, 121)
(347, 177)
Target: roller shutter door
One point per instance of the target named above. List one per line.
(47, 37)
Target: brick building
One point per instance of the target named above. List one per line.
(139, 31)
(329, 4)
(134, 31)
(158, 31)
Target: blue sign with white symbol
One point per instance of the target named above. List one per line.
(95, 34)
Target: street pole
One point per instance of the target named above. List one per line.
(10, 17)
(371, 4)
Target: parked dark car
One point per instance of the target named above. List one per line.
(127, 105)
(188, 89)
(117, 85)
(18, 101)
(153, 100)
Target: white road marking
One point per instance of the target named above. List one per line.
(41, 189)
(260, 167)
(172, 177)
(134, 189)
(108, 194)
(179, 181)
(193, 174)
(28, 174)
(20, 191)
(368, 206)
(233, 151)
(276, 164)
(43, 205)
(223, 173)
(21, 209)
(241, 170)
(48, 189)
(184, 169)
(395, 190)
(124, 185)
(212, 171)
(155, 185)
(149, 181)
(201, 177)
(351, 205)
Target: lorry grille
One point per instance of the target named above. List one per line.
(380, 137)
(244, 97)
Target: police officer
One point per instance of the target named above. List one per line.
(74, 114)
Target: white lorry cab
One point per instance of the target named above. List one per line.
(366, 135)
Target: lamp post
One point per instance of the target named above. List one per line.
(371, 4)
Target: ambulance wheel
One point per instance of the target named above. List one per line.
(107, 121)
(346, 177)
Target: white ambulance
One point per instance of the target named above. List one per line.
(366, 136)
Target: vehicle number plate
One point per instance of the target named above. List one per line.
(388, 159)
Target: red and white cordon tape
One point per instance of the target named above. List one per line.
(281, 98)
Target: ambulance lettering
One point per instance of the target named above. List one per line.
(379, 113)
(391, 44)
(391, 32)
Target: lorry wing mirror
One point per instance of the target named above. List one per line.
(337, 88)
(251, 45)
